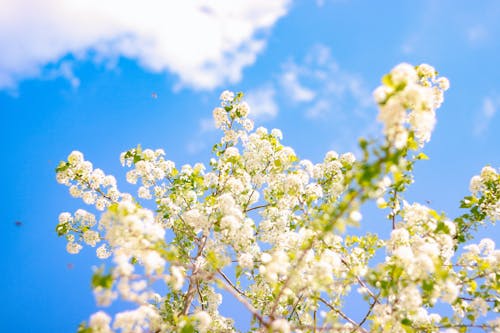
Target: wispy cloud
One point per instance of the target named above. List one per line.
(320, 86)
(262, 102)
(205, 44)
(198, 142)
(64, 70)
(490, 106)
(317, 87)
(207, 125)
(321, 3)
(477, 34)
(471, 24)
(289, 80)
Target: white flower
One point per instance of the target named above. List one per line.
(89, 197)
(65, 218)
(75, 191)
(144, 193)
(75, 157)
(231, 152)
(204, 321)
(450, 291)
(355, 216)
(102, 252)
(73, 248)
(243, 109)
(488, 173)
(403, 73)
(99, 322)
(245, 260)
(153, 262)
(277, 133)
(426, 70)
(220, 117)
(443, 83)
(280, 325)
(91, 237)
(475, 184)
(405, 254)
(265, 258)
(177, 277)
(487, 245)
(380, 94)
(227, 96)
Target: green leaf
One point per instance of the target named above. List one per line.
(238, 271)
(387, 80)
(63, 166)
(83, 328)
(188, 329)
(421, 156)
(412, 144)
(99, 279)
(406, 322)
(62, 229)
(428, 285)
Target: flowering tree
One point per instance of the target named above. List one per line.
(268, 229)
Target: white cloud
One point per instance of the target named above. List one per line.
(320, 86)
(490, 106)
(290, 82)
(477, 34)
(198, 143)
(195, 146)
(204, 43)
(471, 24)
(321, 3)
(207, 125)
(65, 70)
(262, 102)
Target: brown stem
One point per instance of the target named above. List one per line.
(224, 276)
(224, 285)
(256, 207)
(340, 313)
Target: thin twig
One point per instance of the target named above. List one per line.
(224, 276)
(224, 285)
(375, 301)
(340, 313)
(256, 207)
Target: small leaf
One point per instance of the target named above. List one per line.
(83, 328)
(102, 280)
(62, 229)
(63, 166)
(421, 156)
(406, 322)
(188, 329)
(387, 80)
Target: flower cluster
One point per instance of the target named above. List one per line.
(485, 189)
(417, 89)
(261, 225)
(92, 185)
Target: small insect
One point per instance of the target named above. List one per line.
(70, 266)
(18, 223)
(154, 95)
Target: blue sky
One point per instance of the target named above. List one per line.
(101, 77)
